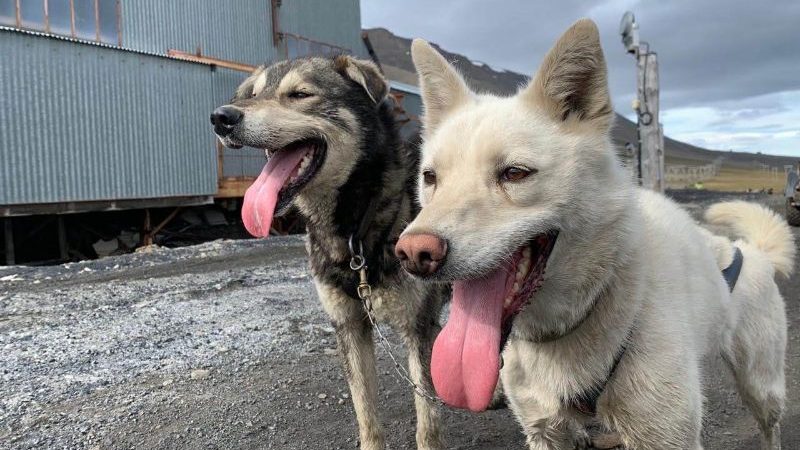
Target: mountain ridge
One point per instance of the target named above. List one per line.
(393, 53)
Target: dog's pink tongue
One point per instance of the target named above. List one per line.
(465, 363)
(261, 197)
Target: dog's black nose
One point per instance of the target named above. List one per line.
(225, 118)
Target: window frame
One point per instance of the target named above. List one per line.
(46, 25)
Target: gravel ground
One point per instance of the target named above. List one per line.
(224, 345)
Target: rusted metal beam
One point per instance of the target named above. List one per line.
(178, 54)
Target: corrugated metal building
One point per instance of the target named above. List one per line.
(104, 103)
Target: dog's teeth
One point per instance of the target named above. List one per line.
(507, 301)
(526, 252)
(515, 288)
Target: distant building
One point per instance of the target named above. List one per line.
(104, 104)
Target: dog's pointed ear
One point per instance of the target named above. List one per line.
(571, 83)
(443, 88)
(365, 73)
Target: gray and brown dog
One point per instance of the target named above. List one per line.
(334, 153)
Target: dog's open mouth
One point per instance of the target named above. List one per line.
(465, 364)
(288, 169)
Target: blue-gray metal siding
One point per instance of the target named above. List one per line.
(244, 162)
(82, 122)
(333, 22)
(237, 30)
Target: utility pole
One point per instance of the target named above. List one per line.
(650, 130)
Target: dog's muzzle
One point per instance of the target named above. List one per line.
(225, 118)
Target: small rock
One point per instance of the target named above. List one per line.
(167, 382)
(322, 396)
(200, 374)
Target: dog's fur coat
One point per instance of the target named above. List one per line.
(346, 106)
(631, 273)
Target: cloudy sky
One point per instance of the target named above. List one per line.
(730, 69)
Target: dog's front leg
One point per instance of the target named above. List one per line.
(429, 435)
(357, 350)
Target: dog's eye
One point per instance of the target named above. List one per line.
(515, 173)
(429, 177)
(299, 95)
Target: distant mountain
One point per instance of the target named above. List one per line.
(394, 54)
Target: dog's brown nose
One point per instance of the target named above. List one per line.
(421, 254)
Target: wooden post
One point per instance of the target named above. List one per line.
(62, 239)
(9, 235)
(147, 236)
(651, 139)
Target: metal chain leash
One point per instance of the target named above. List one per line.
(359, 264)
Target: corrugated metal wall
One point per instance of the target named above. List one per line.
(237, 30)
(123, 126)
(333, 22)
(82, 122)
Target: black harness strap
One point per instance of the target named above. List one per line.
(586, 401)
(731, 273)
(366, 219)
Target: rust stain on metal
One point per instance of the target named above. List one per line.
(242, 67)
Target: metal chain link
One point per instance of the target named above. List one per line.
(364, 290)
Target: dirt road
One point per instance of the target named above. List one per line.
(224, 345)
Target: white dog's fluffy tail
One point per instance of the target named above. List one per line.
(759, 226)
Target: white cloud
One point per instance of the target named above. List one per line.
(767, 123)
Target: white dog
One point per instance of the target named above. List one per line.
(632, 297)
